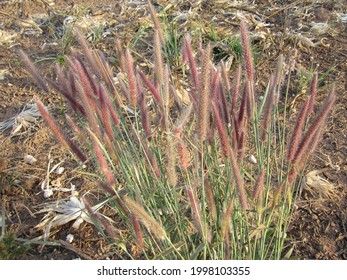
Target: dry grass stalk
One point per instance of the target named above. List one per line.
(107, 76)
(107, 188)
(171, 160)
(225, 76)
(215, 77)
(101, 160)
(243, 107)
(278, 75)
(242, 140)
(87, 52)
(64, 79)
(247, 55)
(179, 100)
(141, 214)
(315, 126)
(70, 62)
(79, 133)
(110, 230)
(259, 184)
(131, 78)
(224, 105)
(142, 145)
(313, 93)
(277, 194)
(239, 182)
(156, 22)
(110, 108)
(85, 77)
(210, 200)
(166, 89)
(227, 246)
(226, 220)
(87, 88)
(293, 172)
(158, 60)
(188, 55)
(293, 55)
(221, 130)
(105, 117)
(268, 107)
(241, 125)
(197, 215)
(203, 113)
(150, 86)
(59, 133)
(236, 90)
(138, 232)
(182, 151)
(143, 111)
(250, 101)
(120, 55)
(72, 82)
(183, 119)
(234, 135)
(111, 150)
(296, 169)
(297, 131)
(67, 92)
(311, 138)
(312, 146)
(91, 110)
(33, 70)
(123, 88)
(81, 72)
(234, 96)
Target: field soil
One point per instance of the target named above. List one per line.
(314, 30)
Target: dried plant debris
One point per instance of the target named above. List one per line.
(3, 73)
(63, 211)
(23, 121)
(318, 186)
(49, 187)
(7, 39)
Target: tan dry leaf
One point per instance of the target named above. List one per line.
(150, 223)
(257, 232)
(183, 95)
(7, 39)
(303, 41)
(319, 186)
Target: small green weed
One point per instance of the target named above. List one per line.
(10, 248)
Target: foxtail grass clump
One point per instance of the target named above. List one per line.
(177, 172)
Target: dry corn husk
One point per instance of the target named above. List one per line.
(319, 186)
(63, 211)
(23, 120)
